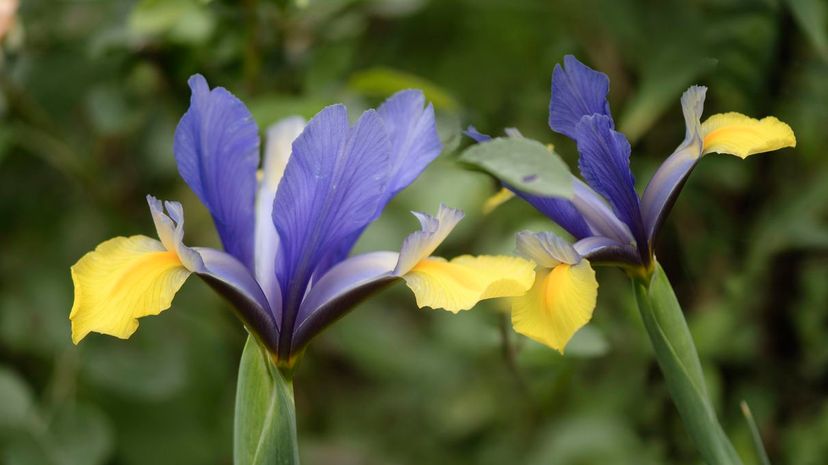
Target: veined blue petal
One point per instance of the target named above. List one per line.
(546, 249)
(217, 150)
(421, 244)
(577, 91)
(280, 137)
(332, 185)
(605, 164)
(412, 133)
(342, 287)
(230, 278)
(663, 188)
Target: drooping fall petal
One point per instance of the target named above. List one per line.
(462, 282)
(123, 279)
(740, 135)
(559, 304)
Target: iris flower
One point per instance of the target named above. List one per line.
(287, 232)
(609, 222)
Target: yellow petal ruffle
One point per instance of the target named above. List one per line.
(740, 135)
(462, 282)
(559, 304)
(123, 279)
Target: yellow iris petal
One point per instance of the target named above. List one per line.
(123, 279)
(496, 200)
(464, 281)
(558, 305)
(740, 135)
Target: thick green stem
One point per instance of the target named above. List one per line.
(679, 362)
(265, 422)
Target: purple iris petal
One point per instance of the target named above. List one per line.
(231, 279)
(340, 289)
(217, 150)
(560, 211)
(577, 91)
(605, 164)
(478, 136)
(332, 185)
(603, 250)
(598, 215)
(412, 133)
(663, 188)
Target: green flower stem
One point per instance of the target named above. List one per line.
(265, 421)
(679, 362)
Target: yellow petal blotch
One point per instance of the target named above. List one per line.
(741, 135)
(123, 279)
(462, 282)
(559, 304)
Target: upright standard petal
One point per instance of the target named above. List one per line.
(123, 279)
(559, 304)
(740, 135)
(217, 150)
(412, 132)
(666, 183)
(577, 91)
(280, 137)
(605, 164)
(333, 182)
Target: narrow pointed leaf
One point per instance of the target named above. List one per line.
(679, 362)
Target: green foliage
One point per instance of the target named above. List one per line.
(264, 431)
(523, 163)
(679, 362)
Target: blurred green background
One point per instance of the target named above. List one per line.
(91, 90)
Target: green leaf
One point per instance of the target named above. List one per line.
(15, 401)
(265, 422)
(755, 435)
(679, 362)
(81, 435)
(811, 16)
(382, 82)
(524, 164)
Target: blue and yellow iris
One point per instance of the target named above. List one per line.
(610, 223)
